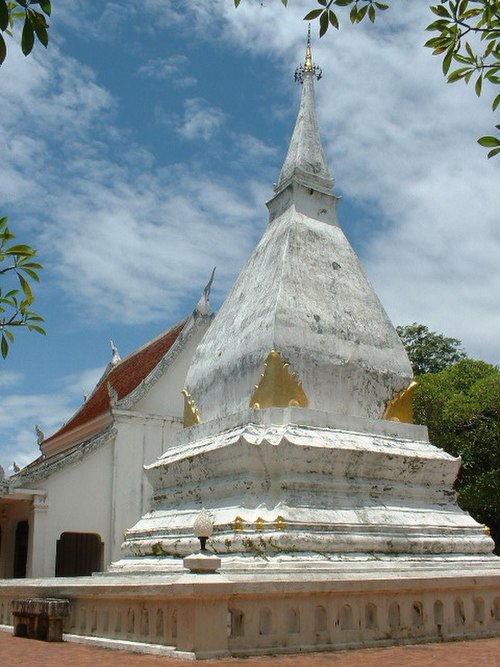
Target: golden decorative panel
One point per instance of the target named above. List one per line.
(278, 387)
(400, 408)
(191, 414)
(259, 524)
(238, 524)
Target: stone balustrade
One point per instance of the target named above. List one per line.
(208, 615)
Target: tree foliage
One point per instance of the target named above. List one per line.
(429, 351)
(34, 23)
(461, 407)
(17, 261)
(17, 269)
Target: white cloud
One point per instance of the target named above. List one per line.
(83, 383)
(171, 68)
(102, 21)
(10, 378)
(147, 247)
(253, 148)
(127, 239)
(200, 120)
(399, 140)
(21, 411)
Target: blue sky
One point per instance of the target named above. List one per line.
(138, 151)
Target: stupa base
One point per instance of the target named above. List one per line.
(356, 603)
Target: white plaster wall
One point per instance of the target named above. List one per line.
(104, 493)
(78, 500)
(141, 439)
(294, 612)
(107, 492)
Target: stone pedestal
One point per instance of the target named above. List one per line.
(202, 563)
(40, 618)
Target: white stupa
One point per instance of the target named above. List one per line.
(296, 403)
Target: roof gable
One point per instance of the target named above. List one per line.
(123, 378)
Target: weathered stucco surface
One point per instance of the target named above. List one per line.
(303, 293)
(302, 490)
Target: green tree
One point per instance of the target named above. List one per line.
(429, 351)
(461, 407)
(17, 268)
(34, 23)
(17, 261)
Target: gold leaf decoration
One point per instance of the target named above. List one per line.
(238, 524)
(400, 408)
(279, 523)
(278, 387)
(191, 414)
(259, 524)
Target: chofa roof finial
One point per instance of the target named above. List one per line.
(115, 355)
(203, 306)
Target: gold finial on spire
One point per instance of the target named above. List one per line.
(308, 64)
(308, 67)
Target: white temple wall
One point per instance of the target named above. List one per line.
(127, 485)
(140, 440)
(78, 500)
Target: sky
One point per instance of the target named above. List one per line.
(139, 149)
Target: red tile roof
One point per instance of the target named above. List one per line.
(124, 378)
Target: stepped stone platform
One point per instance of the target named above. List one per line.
(351, 604)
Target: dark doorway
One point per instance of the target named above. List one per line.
(21, 550)
(78, 554)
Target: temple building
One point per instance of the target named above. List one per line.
(66, 512)
(289, 503)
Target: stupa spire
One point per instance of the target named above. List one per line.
(305, 160)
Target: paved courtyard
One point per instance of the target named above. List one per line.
(18, 652)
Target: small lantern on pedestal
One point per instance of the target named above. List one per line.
(202, 562)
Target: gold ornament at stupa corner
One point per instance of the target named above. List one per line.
(191, 414)
(400, 408)
(278, 387)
